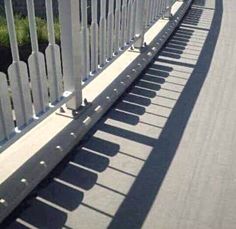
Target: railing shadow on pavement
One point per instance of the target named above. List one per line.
(133, 211)
(94, 153)
(65, 186)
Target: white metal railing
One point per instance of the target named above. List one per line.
(92, 36)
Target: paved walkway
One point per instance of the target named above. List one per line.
(164, 156)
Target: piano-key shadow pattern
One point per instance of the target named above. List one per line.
(112, 178)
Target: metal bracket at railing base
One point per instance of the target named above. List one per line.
(140, 49)
(167, 14)
(74, 114)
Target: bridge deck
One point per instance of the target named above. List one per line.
(164, 156)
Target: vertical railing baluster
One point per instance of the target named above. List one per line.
(147, 23)
(165, 4)
(85, 39)
(94, 37)
(37, 66)
(117, 26)
(69, 14)
(123, 24)
(110, 29)
(133, 19)
(53, 58)
(18, 75)
(129, 13)
(159, 8)
(153, 11)
(150, 12)
(156, 10)
(6, 118)
(102, 33)
(140, 15)
(162, 7)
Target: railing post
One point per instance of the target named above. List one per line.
(69, 15)
(140, 24)
(167, 13)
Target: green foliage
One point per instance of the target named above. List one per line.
(4, 38)
(57, 29)
(23, 32)
(42, 30)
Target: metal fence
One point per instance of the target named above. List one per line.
(92, 36)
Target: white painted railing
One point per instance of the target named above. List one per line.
(91, 38)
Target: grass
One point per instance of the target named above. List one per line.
(22, 30)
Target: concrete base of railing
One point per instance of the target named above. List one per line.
(27, 162)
